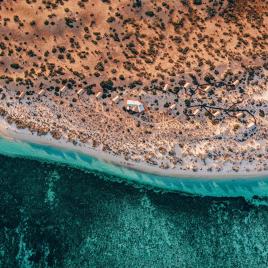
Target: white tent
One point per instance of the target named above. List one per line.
(41, 92)
(196, 112)
(62, 89)
(187, 85)
(115, 99)
(236, 82)
(207, 88)
(22, 94)
(165, 87)
(80, 91)
(99, 95)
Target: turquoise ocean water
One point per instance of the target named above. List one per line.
(58, 216)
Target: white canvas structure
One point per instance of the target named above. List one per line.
(207, 88)
(196, 112)
(22, 94)
(99, 95)
(41, 92)
(251, 126)
(166, 87)
(218, 113)
(115, 99)
(236, 82)
(62, 89)
(187, 85)
(80, 91)
(135, 106)
(173, 106)
(239, 115)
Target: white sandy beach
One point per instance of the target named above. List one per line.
(12, 132)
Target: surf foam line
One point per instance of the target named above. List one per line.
(237, 187)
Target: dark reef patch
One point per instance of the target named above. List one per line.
(56, 216)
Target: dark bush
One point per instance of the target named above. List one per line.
(15, 66)
(149, 13)
(197, 2)
(107, 85)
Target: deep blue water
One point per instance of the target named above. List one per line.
(55, 216)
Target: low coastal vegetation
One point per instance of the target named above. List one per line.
(198, 69)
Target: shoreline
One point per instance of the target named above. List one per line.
(13, 133)
(151, 96)
(20, 143)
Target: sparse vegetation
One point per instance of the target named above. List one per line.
(134, 49)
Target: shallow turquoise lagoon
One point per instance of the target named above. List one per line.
(57, 216)
(248, 188)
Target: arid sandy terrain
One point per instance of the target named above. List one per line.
(199, 68)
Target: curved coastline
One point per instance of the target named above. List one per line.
(20, 144)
